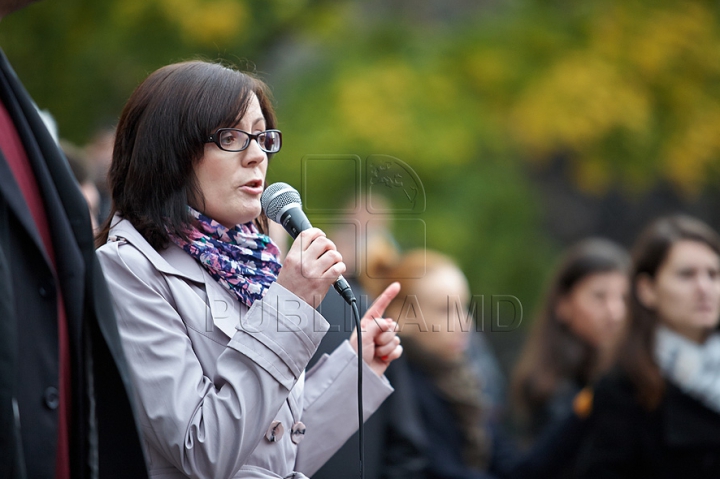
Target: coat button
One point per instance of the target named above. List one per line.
(51, 398)
(47, 289)
(275, 431)
(298, 432)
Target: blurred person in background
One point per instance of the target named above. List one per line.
(573, 339)
(216, 332)
(657, 414)
(65, 395)
(81, 170)
(571, 343)
(99, 156)
(394, 438)
(461, 439)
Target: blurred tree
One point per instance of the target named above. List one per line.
(470, 94)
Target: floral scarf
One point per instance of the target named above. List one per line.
(241, 259)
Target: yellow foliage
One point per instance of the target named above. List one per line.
(652, 39)
(374, 106)
(577, 103)
(693, 150)
(128, 11)
(668, 35)
(206, 21)
(489, 69)
(644, 66)
(203, 21)
(380, 105)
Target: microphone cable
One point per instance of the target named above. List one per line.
(361, 427)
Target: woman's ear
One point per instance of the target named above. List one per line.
(645, 287)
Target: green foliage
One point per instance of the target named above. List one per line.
(628, 90)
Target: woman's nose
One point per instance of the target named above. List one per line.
(707, 284)
(253, 154)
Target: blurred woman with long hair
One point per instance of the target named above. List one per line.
(658, 413)
(572, 340)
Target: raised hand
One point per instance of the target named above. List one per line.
(381, 344)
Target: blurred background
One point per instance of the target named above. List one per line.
(530, 124)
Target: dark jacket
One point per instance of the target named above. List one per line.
(680, 438)
(445, 437)
(556, 436)
(103, 430)
(554, 452)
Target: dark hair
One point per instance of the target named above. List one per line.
(652, 248)
(161, 135)
(553, 352)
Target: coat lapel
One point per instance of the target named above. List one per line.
(8, 186)
(14, 198)
(60, 194)
(225, 309)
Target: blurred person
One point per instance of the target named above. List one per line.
(81, 170)
(99, 155)
(461, 441)
(658, 413)
(573, 339)
(216, 332)
(377, 254)
(572, 342)
(394, 439)
(65, 393)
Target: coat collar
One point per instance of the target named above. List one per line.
(172, 260)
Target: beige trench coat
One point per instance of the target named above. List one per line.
(212, 376)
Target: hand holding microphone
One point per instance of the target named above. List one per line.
(313, 262)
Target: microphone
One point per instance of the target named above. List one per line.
(282, 204)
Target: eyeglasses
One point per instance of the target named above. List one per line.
(232, 139)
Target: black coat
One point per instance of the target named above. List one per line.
(29, 375)
(679, 439)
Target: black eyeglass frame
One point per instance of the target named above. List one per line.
(215, 138)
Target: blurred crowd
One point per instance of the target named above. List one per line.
(616, 377)
(617, 374)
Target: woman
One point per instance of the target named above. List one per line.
(216, 333)
(658, 414)
(437, 334)
(573, 338)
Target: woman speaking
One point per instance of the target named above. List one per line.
(216, 332)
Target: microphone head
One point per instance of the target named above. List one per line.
(276, 198)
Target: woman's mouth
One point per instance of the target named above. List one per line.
(254, 187)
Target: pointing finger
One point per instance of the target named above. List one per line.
(377, 309)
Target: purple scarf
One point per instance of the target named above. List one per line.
(241, 259)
